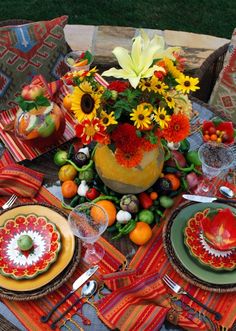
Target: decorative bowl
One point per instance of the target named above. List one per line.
(219, 229)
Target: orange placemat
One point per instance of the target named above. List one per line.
(18, 149)
(29, 312)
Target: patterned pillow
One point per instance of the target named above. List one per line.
(28, 50)
(223, 96)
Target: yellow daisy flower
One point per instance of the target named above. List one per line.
(141, 115)
(187, 84)
(159, 86)
(161, 117)
(147, 84)
(85, 102)
(107, 119)
(169, 100)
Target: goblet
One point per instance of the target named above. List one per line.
(216, 159)
(88, 221)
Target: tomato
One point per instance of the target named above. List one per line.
(69, 189)
(212, 130)
(67, 172)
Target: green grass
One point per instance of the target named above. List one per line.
(213, 17)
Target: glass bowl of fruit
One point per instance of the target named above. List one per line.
(38, 121)
(218, 131)
(79, 60)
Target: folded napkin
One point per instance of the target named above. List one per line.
(19, 180)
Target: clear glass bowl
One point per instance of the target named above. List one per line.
(42, 126)
(75, 60)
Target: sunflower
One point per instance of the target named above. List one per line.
(141, 115)
(178, 128)
(161, 117)
(128, 159)
(91, 130)
(85, 102)
(169, 100)
(108, 119)
(147, 84)
(187, 84)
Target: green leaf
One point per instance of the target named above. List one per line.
(139, 133)
(88, 56)
(117, 113)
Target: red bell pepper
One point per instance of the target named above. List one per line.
(92, 193)
(145, 200)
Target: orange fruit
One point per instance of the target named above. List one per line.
(110, 209)
(69, 189)
(81, 63)
(141, 234)
(67, 172)
(175, 182)
(67, 102)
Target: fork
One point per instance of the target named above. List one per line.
(9, 202)
(179, 290)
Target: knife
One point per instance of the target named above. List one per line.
(202, 198)
(79, 281)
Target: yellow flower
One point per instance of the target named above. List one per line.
(146, 84)
(171, 68)
(160, 86)
(85, 102)
(107, 119)
(141, 115)
(137, 64)
(169, 100)
(187, 84)
(161, 117)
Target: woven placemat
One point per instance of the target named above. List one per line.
(177, 265)
(57, 281)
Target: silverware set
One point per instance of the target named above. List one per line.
(179, 290)
(9, 202)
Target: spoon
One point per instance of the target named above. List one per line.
(226, 191)
(87, 291)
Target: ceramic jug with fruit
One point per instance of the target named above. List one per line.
(39, 121)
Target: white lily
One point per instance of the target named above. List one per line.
(137, 64)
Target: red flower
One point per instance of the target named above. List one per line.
(118, 86)
(128, 159)
(178, 128)
(125, 138)
(220, 230)
(91, 130)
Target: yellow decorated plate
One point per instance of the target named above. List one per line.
(64, 257)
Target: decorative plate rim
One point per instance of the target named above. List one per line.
(51, 261)
(192, 253)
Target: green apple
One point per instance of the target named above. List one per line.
(25, 242)
(47, 128)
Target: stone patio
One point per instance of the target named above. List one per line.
(103, 39)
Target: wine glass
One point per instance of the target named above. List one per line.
(88, 221)
(216, 159)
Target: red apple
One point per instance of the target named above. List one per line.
(31, 92)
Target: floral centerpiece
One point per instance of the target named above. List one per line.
(131, 115)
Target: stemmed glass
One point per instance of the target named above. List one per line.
(88, 221)
(216, 160)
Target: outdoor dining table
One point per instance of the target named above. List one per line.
(45, 165)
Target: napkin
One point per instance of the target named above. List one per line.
(19, 180)
(138, 301)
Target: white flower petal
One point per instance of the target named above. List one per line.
(123, 58)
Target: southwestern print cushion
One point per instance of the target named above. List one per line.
(223, 96)
(28, 50)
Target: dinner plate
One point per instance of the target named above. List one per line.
(181, 251)
(29, 244)
(64, 257)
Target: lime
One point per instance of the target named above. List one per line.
(25, 242)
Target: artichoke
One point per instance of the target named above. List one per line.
(129, 203)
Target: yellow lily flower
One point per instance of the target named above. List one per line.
(135, 64)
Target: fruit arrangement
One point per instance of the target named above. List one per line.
(78, 59)
(38, 117)
(128, 214)
(218, 131)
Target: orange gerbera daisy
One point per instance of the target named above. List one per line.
(128, 159)
(178, 128)
(147, 145)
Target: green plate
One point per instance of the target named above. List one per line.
(181, 251)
